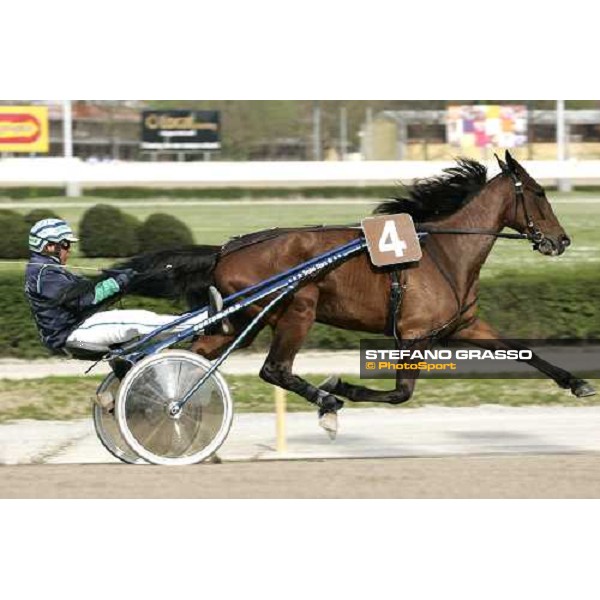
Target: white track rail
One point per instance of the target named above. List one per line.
(61, 171)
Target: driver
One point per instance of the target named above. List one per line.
(69, 315)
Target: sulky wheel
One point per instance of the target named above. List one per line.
(149, 391)
(107, 430)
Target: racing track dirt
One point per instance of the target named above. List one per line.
(544, 476)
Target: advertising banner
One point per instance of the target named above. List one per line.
(483, 126)
(24, 129)
(181, 130)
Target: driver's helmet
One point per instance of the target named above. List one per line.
(49, 230)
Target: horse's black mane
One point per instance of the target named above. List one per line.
(437, 197)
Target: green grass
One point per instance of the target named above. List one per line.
(582, 224)
(214, 224)
(63, 398)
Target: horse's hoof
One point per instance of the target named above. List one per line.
(327, 402)
(582, 388)
(329, 422)
(329, 384)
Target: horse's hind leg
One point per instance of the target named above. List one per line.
(289, 332)
(212, 346)
(402, 392)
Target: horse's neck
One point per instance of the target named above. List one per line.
(464, 255)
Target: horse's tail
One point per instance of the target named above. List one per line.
(178, 273)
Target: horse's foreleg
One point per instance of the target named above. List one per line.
(289, 332)
(482, 334)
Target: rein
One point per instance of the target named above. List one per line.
(24, 263)
(475, 231)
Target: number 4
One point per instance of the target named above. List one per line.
(389, 240)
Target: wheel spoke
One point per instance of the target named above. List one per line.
(192, 435)
(107, 429)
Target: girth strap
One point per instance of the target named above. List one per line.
(397, 288)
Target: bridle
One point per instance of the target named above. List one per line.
(534, 233)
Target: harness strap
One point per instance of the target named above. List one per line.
(464, 309)
(396, 296)
(460, 309)
(434, 333)
(433, 254)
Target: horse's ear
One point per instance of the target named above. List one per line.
(510, 161)
(503, 165)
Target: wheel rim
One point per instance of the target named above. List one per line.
(145, 396)
(107, 428)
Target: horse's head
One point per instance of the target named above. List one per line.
(530, 212)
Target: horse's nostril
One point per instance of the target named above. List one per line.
(565, 241)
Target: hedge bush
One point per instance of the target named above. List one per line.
(15, 235)
(106, 231)
(10, 213)
(532, 307)
(26, 193)
(161, 231)
(38, 214)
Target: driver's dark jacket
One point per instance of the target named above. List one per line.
(45, 281)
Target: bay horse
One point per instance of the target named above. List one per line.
(464, 214)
